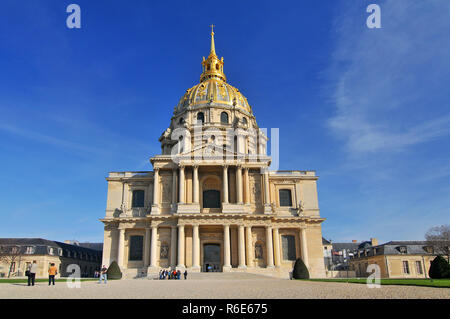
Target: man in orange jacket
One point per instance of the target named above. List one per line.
(52, 272)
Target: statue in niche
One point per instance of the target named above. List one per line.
(164, 254)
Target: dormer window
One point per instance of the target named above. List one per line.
(402, 249)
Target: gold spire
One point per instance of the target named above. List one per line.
(213, 47)
(212, 66)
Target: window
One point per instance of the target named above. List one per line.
(30, 250)
(405, 267)
(285, 197)
(288, 244)
(402, 249)
(224, 118)
(244, 120)
(138, 198)
(200, 117)
(181, 121)
(211, 199)
(13, 266)
(419, 267)
(136, 244)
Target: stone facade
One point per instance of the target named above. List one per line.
(45, 252)
(396, 259)
(210, 199)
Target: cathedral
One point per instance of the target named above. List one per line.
(211, 204)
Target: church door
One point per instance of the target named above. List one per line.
(211, 258)
(211, 199)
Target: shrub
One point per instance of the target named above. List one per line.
(439, 268)
(300, 271)
(114, 271)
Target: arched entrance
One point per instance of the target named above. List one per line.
(211, 258)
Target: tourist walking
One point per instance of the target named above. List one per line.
(32, 273)
(52, 272)
(103, 274)
(178, 274)
(185, 274)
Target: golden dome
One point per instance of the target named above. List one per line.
(214, 91)
(213, 87)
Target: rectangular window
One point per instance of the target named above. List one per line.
(136, 245)
(419, 267)
(285, 197)
(288, 243)
(138, 198)
(13, 267)
(405, 267)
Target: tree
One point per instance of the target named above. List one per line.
(113, 271)
(439, 268)
(300, 271)
(9, 255)
(439, 238)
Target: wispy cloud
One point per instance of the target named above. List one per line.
(391, 84)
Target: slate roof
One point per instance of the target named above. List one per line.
(345, 246)
(393, 248)
(325, 242)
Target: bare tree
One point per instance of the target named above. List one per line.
(9, 255)
(439, 238)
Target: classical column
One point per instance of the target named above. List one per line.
(180, 246)
(247, 186)
(181, 199)
(276, 244)
(241, 246)
(146, 247)
(225, 184)
(304, 246)
(156, 187)
(174, 186)
(195, 247)
(226, 247)
(269, 247)
(239, 184)
(266, 188)
(249, 249)
(120, 248)
(153, 246)
(195, 190)
(173, 246)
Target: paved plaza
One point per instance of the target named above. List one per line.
(218, 285)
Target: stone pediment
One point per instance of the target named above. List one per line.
(210, 151)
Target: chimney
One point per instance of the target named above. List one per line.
(374, 241)
(354, 241)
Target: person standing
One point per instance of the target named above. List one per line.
(185, 274)
(52, 272)
(103, 274)
(32, 273)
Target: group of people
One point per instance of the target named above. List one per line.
(171, 274)
(32, 270)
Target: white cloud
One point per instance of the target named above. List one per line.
(390, 85)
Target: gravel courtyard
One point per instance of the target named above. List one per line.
(218, 285)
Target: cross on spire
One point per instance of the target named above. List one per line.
(212, 28)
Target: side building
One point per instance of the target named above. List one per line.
(396, 259)
(16, 254)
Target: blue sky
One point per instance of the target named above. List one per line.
(368, 109)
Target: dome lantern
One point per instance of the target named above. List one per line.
(212, 66)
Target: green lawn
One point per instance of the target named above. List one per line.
(20, 281)
(409, 282)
